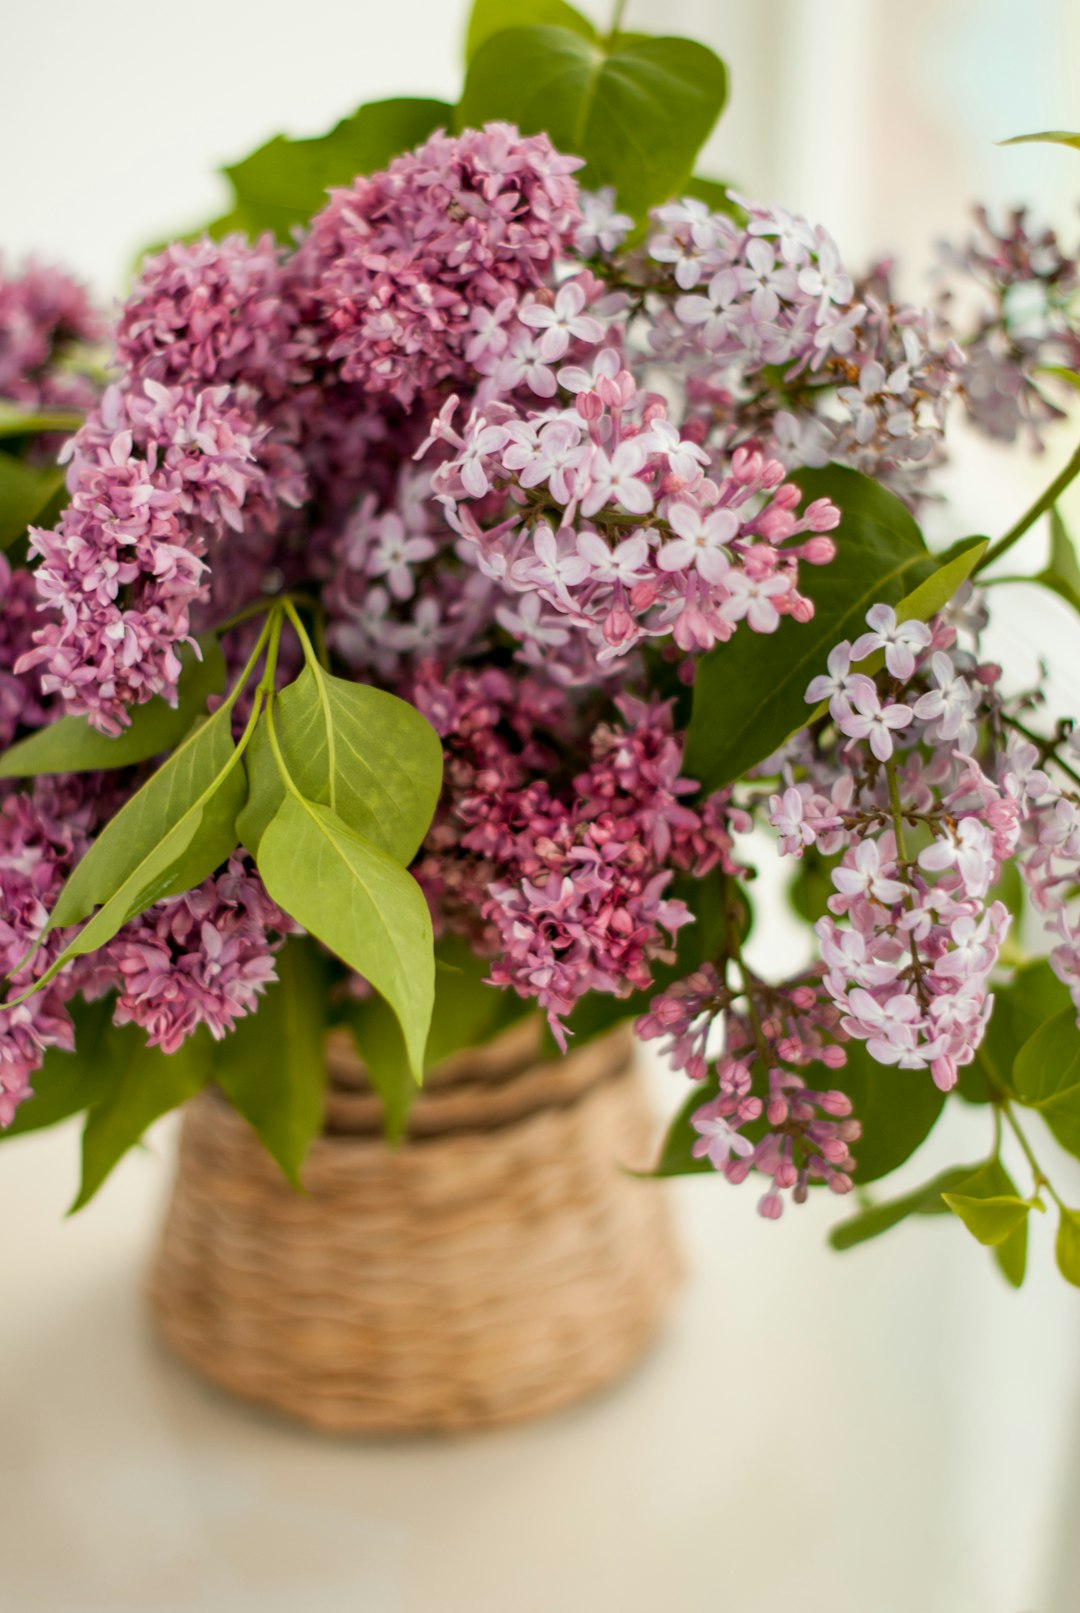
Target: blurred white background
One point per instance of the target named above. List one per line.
(888, 1432)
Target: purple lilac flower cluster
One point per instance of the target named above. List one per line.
(404, 268)
(911, 937)
(867, 379)
(512, 466)
(1049, 853)
(607, 522)
(566, 889)
(1022, 328)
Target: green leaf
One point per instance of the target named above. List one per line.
(360, 903)
(1034, 995)
(714, 192)
(743, 713)
(26, 491)
(925, 1200)
(1067, 1246)
(1057, 137)
(272, 1066)
(72, 746)
(897, 1110)
(1046, 1076)
(17, 422)
(992, 1182)
(285, 181)
(990, 1220)
(493, 16)
(146, 1083)
(368, 756)
(467, 1013)
(69, 1082)
(169, 836)
(637, 109)
(1062, 575)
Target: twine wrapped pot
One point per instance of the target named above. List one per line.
(494, 1266)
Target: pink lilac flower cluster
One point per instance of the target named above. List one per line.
(799, 1134)
(45, 316)
(43, 834)
(198, 959)
(395, 593)
(604, 519)
(156, 478)
(1049, 854)
(867, 379)
(20, 695)
(911, 937)
(404, 268)
(570, 886)
(1022, 327)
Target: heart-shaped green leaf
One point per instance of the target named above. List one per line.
(1004, 1228)
(360, 903)
(1062, 575)
(1055, 137)
(991, 1220)
(285, 181)
(368, 756)
(272, 1065)
(1046, 1076)
(146, 1083)
(1067, 1246)
(493, 16)
(26, 491)
(925, 1200)
(637, 109)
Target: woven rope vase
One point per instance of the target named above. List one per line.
(496, 1265)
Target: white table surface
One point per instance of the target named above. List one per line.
(886, 1432)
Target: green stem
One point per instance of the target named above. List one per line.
(897, 809)
(301, 631)
(282, 765)
(273, 629)
(1048, 497)
(1041, 1179)
(616, 20)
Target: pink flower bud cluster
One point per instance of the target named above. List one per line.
(401, 266)
(911, 938)
(44, 315)
(1022, 327)
(604, 519)
(570, 884)
(1049, 855)
(798, 1134)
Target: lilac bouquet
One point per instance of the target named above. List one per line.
(469, 558)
